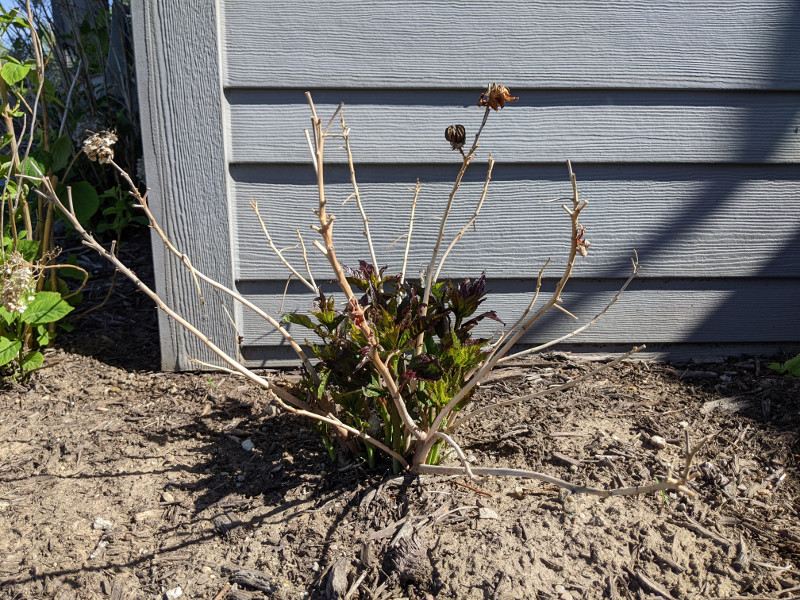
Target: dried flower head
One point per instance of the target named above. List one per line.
(456, 135)
(98, 146)
(496, 97)
(19, 280)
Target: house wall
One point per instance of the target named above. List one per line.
(681, 121)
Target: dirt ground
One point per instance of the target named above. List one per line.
(118, 481)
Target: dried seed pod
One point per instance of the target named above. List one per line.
(496, 97)
(456, 135)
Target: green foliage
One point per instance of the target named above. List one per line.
(54, 105)
(428, 376)
(17, 327)
(118, 214)
(791, 367)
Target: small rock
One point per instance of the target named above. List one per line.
(658, 442)
(167, 497)
(174, 593)
(248, 445)
(559, 589)
(102, 524)
(519, 492)
(487, 513)
(145, 515)
(570, 505)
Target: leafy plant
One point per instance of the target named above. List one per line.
(394, 310)
(49, 87)
(790, 367)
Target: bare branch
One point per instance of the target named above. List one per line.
(461, 420)
(279, 253)
(471, 222)
(573, 333)
(410, 229)
(356, 194)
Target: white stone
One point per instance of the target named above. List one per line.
(487, 513)
(174, 593)
(102, 524)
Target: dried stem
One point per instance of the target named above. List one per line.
(410, 229)
(305, 259)
(636, 269)
(429, 278)
(513, 336)
(680, 484)
(356, 194)
(311, 286)
(461, 420)
(285, 399)
(471, 222)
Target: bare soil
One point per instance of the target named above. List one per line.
(119, 481)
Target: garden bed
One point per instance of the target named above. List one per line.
(119, 481)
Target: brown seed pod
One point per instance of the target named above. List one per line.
(496, 97)
(456, 135)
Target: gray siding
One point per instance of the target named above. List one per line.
(681, 120)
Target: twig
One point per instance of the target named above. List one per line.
(223, 591)
(408, 235)
(473, 489)
(69, 98)
(649, 584)
(564, 310)
(460, 421)
(305, 259)
(459, 452)
(279, 253)
(573, 333)
(356, 194)
(471, 222)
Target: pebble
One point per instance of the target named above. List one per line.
(174, 593)
(248, 445)
(102, 524)
(658, 442)
(167, 497)
(487, 513)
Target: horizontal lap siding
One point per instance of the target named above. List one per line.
(681, 120)
(566, 44)
(654, 311)
(735, 129)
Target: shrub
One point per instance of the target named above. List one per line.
(396, 360)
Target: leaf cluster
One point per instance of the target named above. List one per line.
(428, 374)
(790, 367)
